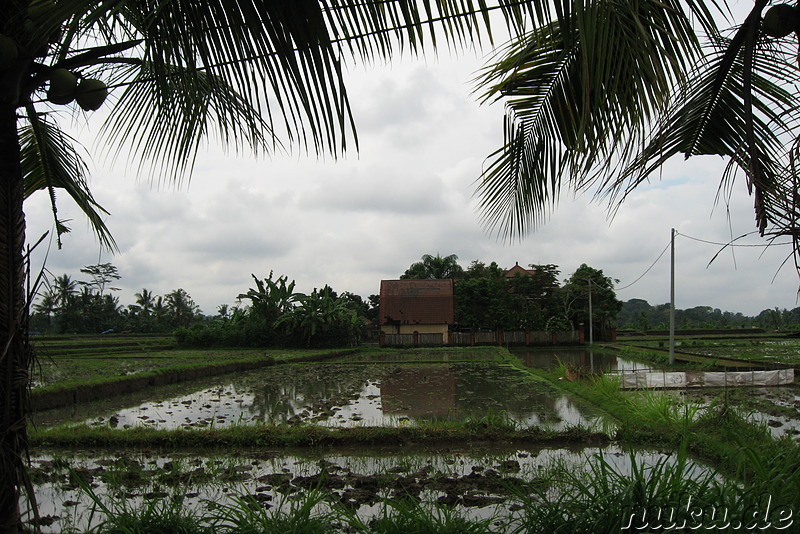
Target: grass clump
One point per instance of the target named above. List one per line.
(304, 515)
(406, 516)
(154, 516)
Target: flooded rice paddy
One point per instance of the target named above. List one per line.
(398, 391)
(342, 395)
(478, 482)
(594, 361)
(777, 408)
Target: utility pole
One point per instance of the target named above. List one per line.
(591, 337)
(672, 299)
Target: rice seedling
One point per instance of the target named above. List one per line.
(408, 516)
(607, 498)
(152, 516)
(492, 422)
(304, 514)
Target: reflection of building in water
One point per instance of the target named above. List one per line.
(421, 393)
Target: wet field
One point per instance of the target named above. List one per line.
(341, 395)
(351, 392)
(482, 483)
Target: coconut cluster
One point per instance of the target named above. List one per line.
(780, 20)
(88, 93)
(65, 86)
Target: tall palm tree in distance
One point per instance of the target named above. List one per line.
(434, 267)
(145, 300)
(64, 287)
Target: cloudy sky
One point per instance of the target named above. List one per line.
(407, 192)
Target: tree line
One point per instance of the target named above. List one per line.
(273, 314)
(640, 315)
(270, 314)
(489, 297)
(74, 306)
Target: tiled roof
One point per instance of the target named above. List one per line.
(417, 301)
(516, 269)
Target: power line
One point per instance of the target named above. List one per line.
(647, 271)
(731, 242)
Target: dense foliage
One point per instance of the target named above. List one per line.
(272, 313)
(84, 307)
(488, 297)
(277, 315)
(638, 314)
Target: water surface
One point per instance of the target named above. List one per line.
(343, 395)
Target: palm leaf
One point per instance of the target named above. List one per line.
(167, 136)
(579, 90)
(728, 108)
(50, 161)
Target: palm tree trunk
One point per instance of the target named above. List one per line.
(15, 353)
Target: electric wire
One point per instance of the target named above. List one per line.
(647, 271)
(729, 244)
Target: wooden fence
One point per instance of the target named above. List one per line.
(521, 337)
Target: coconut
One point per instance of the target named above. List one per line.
(780, 20)
(63, 84)
(63, 81)
(91, 94)
(61, 99)
(8, 52)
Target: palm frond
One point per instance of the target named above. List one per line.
(579, 90)
(733, 107)
(166, 135)
(281, 62)
(50, 161)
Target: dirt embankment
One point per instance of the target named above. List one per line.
(49, 399)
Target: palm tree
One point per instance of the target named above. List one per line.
(600, 94)
(434, 267)
(145, 300)
(64, 288)
(47, 305)
(180, 307)
(179, 71)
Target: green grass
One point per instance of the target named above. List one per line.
(496, 428)
(766, 348)
(601, 497)
(64, 372)
(407, 516)
(716, 434)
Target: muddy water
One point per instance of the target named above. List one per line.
(595, 361)
(476, 481)
(777, 408)
(343, 395)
